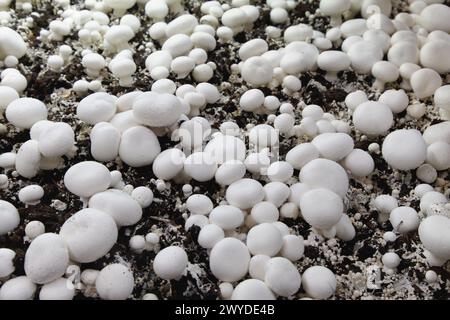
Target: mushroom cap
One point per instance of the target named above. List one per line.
(105, 141)
(324, 173)
(229, 172)
(209, 235)
(11, 44)
(403, 52)
(6, 262)
(436, 55)
(119, 205)
(359, 162)
(442, 97)
(264, 239)
(19, 288)
(301, 154)
(46, 258)
(363, 55)
(97, 107)
(157, 109)
(333, 146)
(139, 146)
(334, 7)
(114, 282)
(87, 178)
(404, 219)
(200, 166)
(252, 289)
(59, 289)
(401, 155)
(229, 260)
(319, 282)
(178, 45)
(435, 17)
(7, 95)
(245, 193)
(425, 82)
(276, 192)
(24, 112)
(321, 208)
(9, 217)
(89, 235)
(28, 159)
(333, 61)
(168, 163)
(434, 232)
(385, 71)
(56, 140)
(257, 71)
(170, 263)
(227, 217)
(373, 118)
(199, 204)
(282, 277)
(223, 148)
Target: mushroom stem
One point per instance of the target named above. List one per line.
(331, 76)
(378, 85)
(336, 20)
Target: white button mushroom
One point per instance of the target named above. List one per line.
(24, 112)
(404, 156)
(46, 258)
(209, 235)
(359, 162)
(31, 194)
(87, 178)
(257, 71)
(404, 219)
(60, 289)
(114, 282)
(252, 289)
(9, 217)
(200, 166)
(119, 205)
(229, 172)
(11, 44)
(293, 247)
(28, 159)
(333, 146)
(6, 262)
(333, 61)
(227, 217)
(168, 164)
(170, 263)
(139, 146)
(89, 235)
(282, 277)
(229, 260)
(245, 193)
(265, 212)
(319, 282)
(323, 173)
(300, 155)
(20, 288)
(264, 239)
(434, 234)
(373, 118)
(425, 82)
(97, 107)
(105, 141)
(321, 208)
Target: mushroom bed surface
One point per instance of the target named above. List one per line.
(279, 149)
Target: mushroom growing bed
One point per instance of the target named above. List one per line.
(170, 149)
